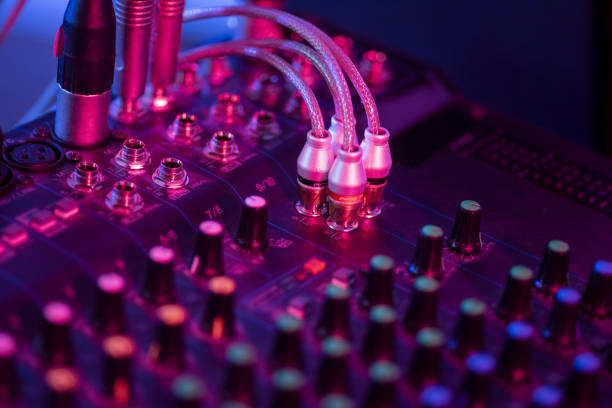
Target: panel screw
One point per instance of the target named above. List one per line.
(72, 156)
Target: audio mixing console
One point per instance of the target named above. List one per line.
(176, 257)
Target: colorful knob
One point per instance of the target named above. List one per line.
(287, 348)
(379, 282)
(158, 286)
(477, 384)
(546, 396)
(334, 317)
(561, 327)
(469, 331)
(436, 396)
(426, 366)
(219, 310)
(379, 342)
(581, 387)
(118, 352)
(428, 256)
(9, 387)
(515, 303)
(57, 344)
(333, 374)
(465, 236)
(169, 348)
(597, 299)
(383, 379)
(553, 273)
(62, 384)
(188, 392)
(514, 363)
(423, 308)
(240, 360)
(208, 254)
(288, 384)
(253, 228)
(109, 314)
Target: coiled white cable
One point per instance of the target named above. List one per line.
(315, 37)
(216, 50)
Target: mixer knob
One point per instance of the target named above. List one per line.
(168, 348)
(57, 345)
(515, 357)
(423, 309)
(597, 297)
(208, 254)
(383, 378)
(333, 372)
(334, 318)
(561, 327)
(581, 387)
(428, 256)
(477, 384)
(515, 303)
(553, 273)
(233, 404)
(253, 230)
(188, 392)
(118, 353)
(379, 343)
(62, 384)
(436, 396)
(240, 359)
(336, 401)
(9, 388)
(379, 282)
(109, 315)
(159, 279)
(426, 365)
(546, 396)
(465, 237)
(287, 349)
(219, 312)
(288, 384)
(469, 332)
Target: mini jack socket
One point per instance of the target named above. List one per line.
(184, 129)
(133, 155)
(377, 163)
(314, 162)
(228, 109)
(171, 174)
(124, 197)
(347, 180)
(222, 147)
(86, 177)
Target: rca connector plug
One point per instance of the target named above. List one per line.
(377, 164)
(347, 181)
(314, 163)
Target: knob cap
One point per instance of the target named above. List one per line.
(219, 311)
(515, 303)
(109, 314)
(9, 388)
(168, 348)
(287, 348)
(334, 318)
(159, 279)
(436, 396)
(208, 254)
(465, 237)
(288, 384)
(553, 273)
(515, 358)
(118, 351)
(253, 229)
(62, 384)
(240, 359)
(379, 342)
(469, 332)
(188, 392)
(477, 384)
(546, 396)
(561, 327)
(423, 308)
(581, 388)
(336, 401)
(379, 282)
(428, 256)
(383, 378)
(597, 297)
(333, 375)
(426, 366)
(57, 344)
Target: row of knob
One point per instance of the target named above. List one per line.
(552, 278)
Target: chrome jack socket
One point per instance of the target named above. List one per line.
(124, 197)
(171, 174)
(86, 177)
(133, 155)
(313, 163)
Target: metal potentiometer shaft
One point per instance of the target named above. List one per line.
(85, 47)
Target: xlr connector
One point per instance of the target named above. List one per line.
(85, 47)
(377, 164)
(314, 163)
